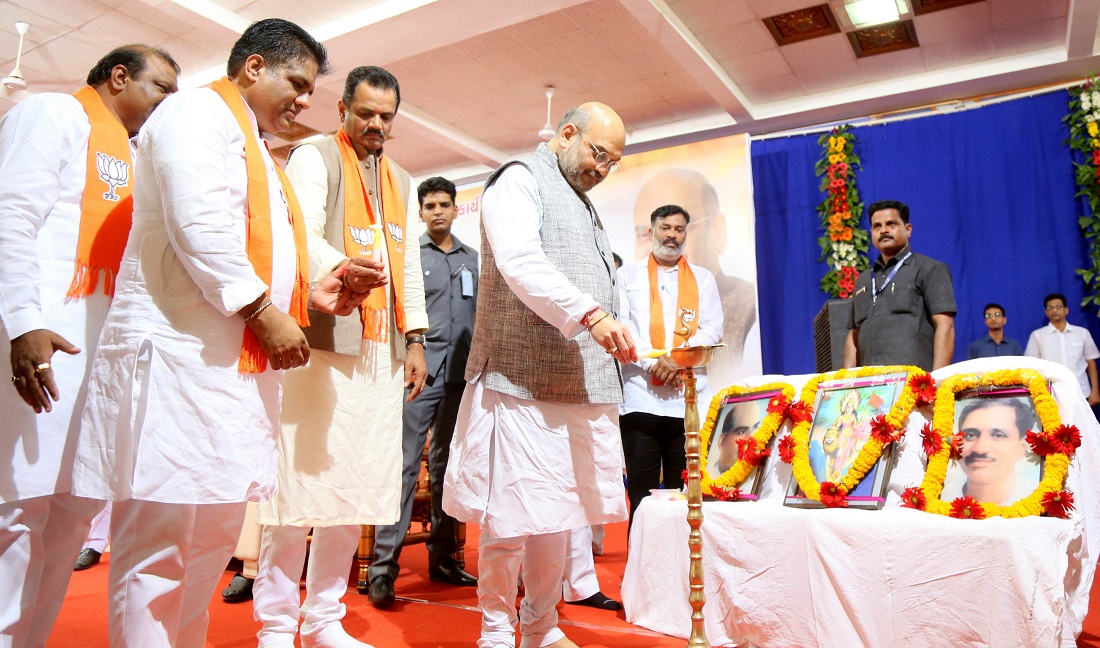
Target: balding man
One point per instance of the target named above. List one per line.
(692, 191)
(65, 183)
(536, 450)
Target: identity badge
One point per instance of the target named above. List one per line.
(467, 278)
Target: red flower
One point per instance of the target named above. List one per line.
(749, 451)
(779, 404)
(967, 508)
(1096, 158)
(833, 495)
(1058, 504)
(684, 476)
(1041, 443)
(882, 431)
(924, 388)
(800, 412)
(957, 445)
(786, 449)
(913, 497)
(725, 494)
(931, 440)
(1067, 438)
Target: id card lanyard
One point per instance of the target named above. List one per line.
(875, 291)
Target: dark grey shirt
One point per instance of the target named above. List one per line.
(896, 329)
(450, 313)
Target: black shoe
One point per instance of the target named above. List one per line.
(381, 592)
(87, 558)
(450, 572)
(239, 590)
(599, 600)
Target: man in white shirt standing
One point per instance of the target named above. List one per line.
(183, 401)
(666, 303)
(54, 204)
(1067, 345)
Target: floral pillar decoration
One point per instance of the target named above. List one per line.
(1084, 136)
(844, 245)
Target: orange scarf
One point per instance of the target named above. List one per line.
(258, 243)
(105, 217)
(362, 227)
(687, 305)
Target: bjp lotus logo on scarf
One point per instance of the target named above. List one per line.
(397, 233)
(115, 172)
(362, 235)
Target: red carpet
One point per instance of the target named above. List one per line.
(427, 614)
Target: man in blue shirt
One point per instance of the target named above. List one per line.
(994, 343)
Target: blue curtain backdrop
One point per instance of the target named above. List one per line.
(991, 193)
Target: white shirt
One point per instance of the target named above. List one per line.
(1071, 348)
(169, 418)
(633, 280)
(43, 157)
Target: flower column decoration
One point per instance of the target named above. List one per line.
(1084, 136)
(844, 245)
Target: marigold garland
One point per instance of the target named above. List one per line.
(845, 244)
(746, 461)
(872, 448)
(1054, 436)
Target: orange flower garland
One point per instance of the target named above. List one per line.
(845, 244)
(1056, 442)
(893, 421)
(746, 461)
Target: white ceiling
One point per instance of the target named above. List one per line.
(473, 73)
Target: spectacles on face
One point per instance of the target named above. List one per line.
(601, 158)
(994, 314)
(1055, 308)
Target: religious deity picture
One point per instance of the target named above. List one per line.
(997, 463)
(842, 424)
(739, 417)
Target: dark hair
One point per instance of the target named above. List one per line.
(666, 211)
(375, 77)
(280, 42)
(903, 209)
(432, 185)
(1052, 296)
(131, 57)
(994, 305)
(1025, 416)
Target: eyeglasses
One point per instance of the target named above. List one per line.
(1055, 308)
(601, 158)
(994, 314)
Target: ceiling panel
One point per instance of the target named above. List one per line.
(967, 21)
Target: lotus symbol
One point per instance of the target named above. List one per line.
(362, 235)
(396, 232)
(115, 172)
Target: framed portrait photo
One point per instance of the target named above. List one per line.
(997, 465)
(739, 416)
(843, 410)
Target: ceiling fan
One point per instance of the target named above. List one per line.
(548, 130)
(14, 87)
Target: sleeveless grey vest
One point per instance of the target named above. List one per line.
(344, 334)
(517, 352)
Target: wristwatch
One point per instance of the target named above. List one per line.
(415, 339)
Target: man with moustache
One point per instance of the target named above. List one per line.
(666, 303)
(340, 444)
(450, 270)
(536, 450)
(904, 306)
(183, 399)
(994, 441)
(62, 231)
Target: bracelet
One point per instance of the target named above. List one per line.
(598, 320)
(588, 317)
(415, 339)
(256, 313)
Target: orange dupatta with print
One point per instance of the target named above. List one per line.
(258, 240)
(361, 230)
(105, 217)
(687, 305)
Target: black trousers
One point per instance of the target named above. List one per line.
(651, 444)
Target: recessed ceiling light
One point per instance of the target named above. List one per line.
(868, 13)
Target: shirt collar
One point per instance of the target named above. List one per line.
(1053, 329)
(879, 265)
(426, 240)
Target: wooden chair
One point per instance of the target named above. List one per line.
(421, 515)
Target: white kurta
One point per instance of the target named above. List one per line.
(340, 438)
(524, 467)
(638, 389)
(43, 156)
(169, 419)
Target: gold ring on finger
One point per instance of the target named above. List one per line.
(42, 367)
(15, 379)
(613, 349)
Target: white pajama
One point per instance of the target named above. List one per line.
(99, 533)
(276, 597)
(166, 561)
(579, 580)
(542, 559)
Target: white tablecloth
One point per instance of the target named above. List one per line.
(779, 576)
